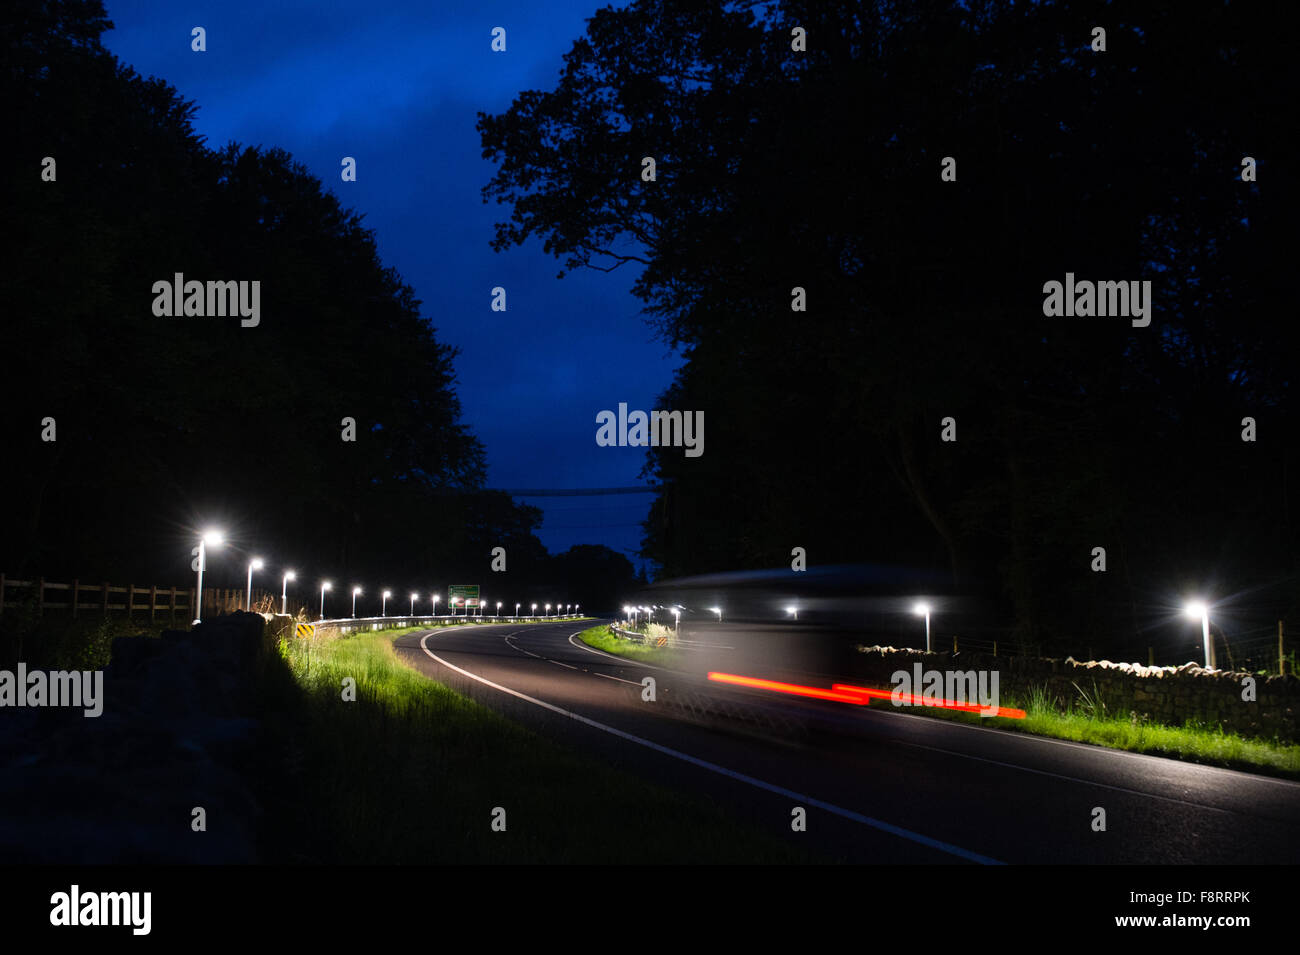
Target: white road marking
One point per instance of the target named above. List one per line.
(1072, 779)
(722, 770)
(608, 677)
(637, 663)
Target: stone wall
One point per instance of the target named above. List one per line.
(178, 731)
(1169, 695)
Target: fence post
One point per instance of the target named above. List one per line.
(171, 608)
(40, 597)
(76, 595)
(130, 599)
(995, 648)
(106, 598)
(153, 600)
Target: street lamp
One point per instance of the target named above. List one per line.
(284, 590)
(413, 596)
(383, 604)
(208, 538)
(718, 611)
(1199, 608)
(355, 591)
(435, 604)
(517, 606)
(922, 609)
(534, 610)
(548, 610)
(254, 564)
(677, 621)
(498, 610)
(793, 611)
(325, 585)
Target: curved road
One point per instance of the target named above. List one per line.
(877, 785)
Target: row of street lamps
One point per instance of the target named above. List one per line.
(1195, 609)
(214, 538)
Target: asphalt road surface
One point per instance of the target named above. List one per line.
(877, 784)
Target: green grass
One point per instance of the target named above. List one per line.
(62, 642)
(603, 639)
(1086, 721)
(1083, 721)
(411, 772)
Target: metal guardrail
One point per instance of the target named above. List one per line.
(348, 624)
(678, 642)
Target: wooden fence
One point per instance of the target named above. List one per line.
(104, 598)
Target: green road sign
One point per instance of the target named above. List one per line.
(463, 595)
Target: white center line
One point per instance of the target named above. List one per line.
(722, 770)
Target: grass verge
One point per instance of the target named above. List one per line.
(602, 638)
(1085, 723)
(412, 771)
(1088, 723)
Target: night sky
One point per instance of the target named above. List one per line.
(398, 86)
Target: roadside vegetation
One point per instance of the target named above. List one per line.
(649, 651)
(1083, 720)
(59, 641)
(1086, 720)
(412, 771)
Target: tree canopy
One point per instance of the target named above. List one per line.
(163, 422)
(821, 170)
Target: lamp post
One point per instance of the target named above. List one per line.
(517, 606)
(355, 591)
(325, 585)
(413, 596)
(284, 590)
(922, 609)
(498, 610)
(793, 611)
(677, 622)
(718, 611)
(254, 564)
(435, 604)
(383, 604)
(1200, 609)
(548, 610)
(212, 538)
(534, 610)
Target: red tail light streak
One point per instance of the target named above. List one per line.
(857, 695)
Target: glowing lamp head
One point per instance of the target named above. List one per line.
(257, 563)
(414, 595)
(921, 609)
(356, 591)
(388, 593)
(212, 538)
(1196, 609)
(327, 586)
(290, 575)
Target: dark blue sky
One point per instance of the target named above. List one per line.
(397, 86)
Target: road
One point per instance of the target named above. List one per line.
(877, 784)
